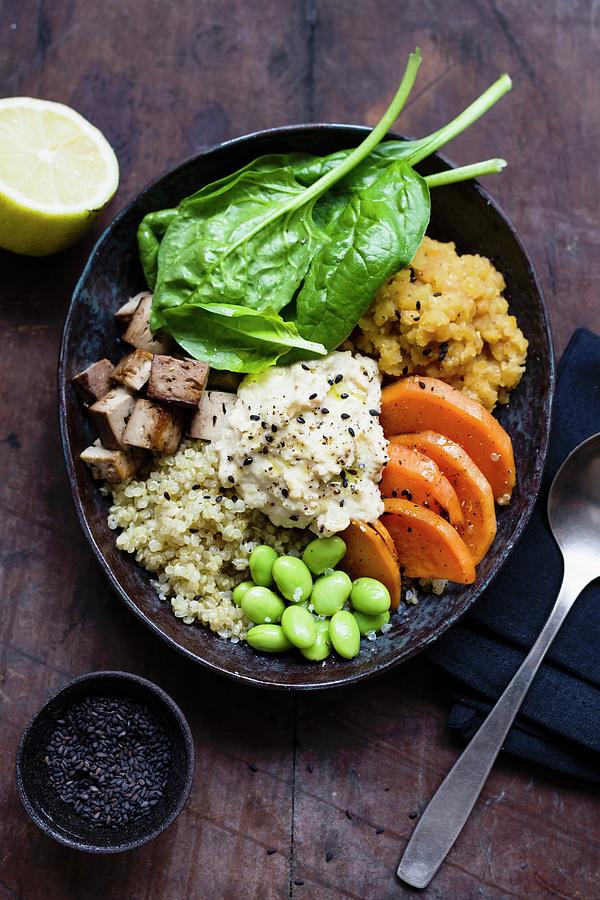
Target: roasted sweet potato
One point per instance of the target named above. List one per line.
(367, 555)
(478, 528)
(427, 545)
(384, 533)
(418, 403)
(411, 475)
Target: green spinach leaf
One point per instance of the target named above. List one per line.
(236, 338)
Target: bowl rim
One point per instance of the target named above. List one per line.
(177, 716)
(376, 668)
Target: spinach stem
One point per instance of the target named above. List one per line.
(375, 136)
(466, 118)
(476, 170)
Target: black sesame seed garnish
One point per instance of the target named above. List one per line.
(405, 370)
(255, 418)
(219, 498)
(312, 397)
(248, 461)
(196, 487)
(418, 305)
(342, 502)
(166, 495)
(422, 385)
(300, 420)
(330, 381)
(231, 479)
(443, 351)
(263, 424)
(294, 518)
(305, 367)
(413, 276)
(299, 882)
(351, 432)
(269, 438)
(437, 294)
(406, 493)
(373, 412)
(344, 396)
(379, 830)
(274, 428)
(345, 416)
(285, 492)
(324, 410)
(413, 814)
(109, 758)
(338, 378)
(193, 530)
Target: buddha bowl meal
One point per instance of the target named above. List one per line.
(297, 436)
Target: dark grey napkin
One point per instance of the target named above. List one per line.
(559, 722)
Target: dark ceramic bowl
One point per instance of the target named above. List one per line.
(57, 818)
(463, 213)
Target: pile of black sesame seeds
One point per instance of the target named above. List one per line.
(109, 759)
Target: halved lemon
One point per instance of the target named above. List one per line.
(57, 171)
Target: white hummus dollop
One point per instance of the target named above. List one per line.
(304, 444)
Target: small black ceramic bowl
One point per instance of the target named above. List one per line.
(56, 818)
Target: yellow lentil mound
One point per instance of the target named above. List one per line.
(445, 316)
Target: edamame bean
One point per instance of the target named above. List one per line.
(292, 578)
(370, 596)
(344, 633)
(366, 624)
(269, 638)
(330, 592)
(262, 605)
(323, 553)
(322, 646)
(261, 565)
(299, 627)
(239, 591)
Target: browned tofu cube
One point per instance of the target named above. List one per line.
(177, 381)
(138, 332)
(124, 314)
(110, 415)
(112, 465)
(154, 427)
(94, 382)
(207, 423)
(133, 370)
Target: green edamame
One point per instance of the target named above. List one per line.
(321, 648)
(323, 553)
(370, 596)
(344, 633)
(366, 623)
(269, 638)
(239, 591)
(262, 605)
(292, 578)
(299, 627)
(261, 565)
(330, 592)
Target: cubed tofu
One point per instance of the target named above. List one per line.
(133, 370)
(154, 427)
(124, 314)
(177, 381)
(112, 465)
(94, 382)
(207, 423)
(110, 415)
(138, 332)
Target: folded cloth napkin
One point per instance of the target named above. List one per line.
(559, 722)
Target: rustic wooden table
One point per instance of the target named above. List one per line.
(331, 781)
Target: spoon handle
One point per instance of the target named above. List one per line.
(449, 809)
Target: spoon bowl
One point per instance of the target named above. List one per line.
(574, 509)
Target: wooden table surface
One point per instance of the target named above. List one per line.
(316, 777)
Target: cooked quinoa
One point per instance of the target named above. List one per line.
(195, 536)
(446, 316)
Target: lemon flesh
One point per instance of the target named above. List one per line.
(57, 171)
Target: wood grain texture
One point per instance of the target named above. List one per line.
(315, 778)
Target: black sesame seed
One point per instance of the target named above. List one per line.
(305, 367)
(338, 378)
(345, 416)
(344, 396)
(193, 530)
(299, 882)
(330, 381)
(294, 518)
(413, 814)
(219, 498)
(269, 438)
(342, 502)
(373, 412)
(406, 493)
(248, 461)
(274, 428)
(312, 397)
(405, 370)
(285, 492)
(324, 410)
(166, 495)
(418, 305)
(437, 294)
(413, 276)
(300, 419)
(422, 385)
(231, 479)
(255, 418)
(351, 432)
(379, 830)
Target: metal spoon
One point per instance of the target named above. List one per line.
(574, 515)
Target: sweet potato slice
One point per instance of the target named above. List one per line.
(427, 545)
(418, 403)
(411, 475)
(478, 528)
(384, 533)
(367, 556)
